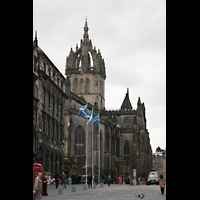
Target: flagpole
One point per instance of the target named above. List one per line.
(92, 153)
(86, 153)
(99, 151)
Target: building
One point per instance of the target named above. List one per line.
(159, 161)
(59, 135)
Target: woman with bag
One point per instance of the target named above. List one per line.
(161, 181)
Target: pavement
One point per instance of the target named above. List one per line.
(114, 191)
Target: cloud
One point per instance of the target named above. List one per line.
(132, 39)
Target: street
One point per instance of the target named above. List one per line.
(115, 191)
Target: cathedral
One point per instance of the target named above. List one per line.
(120, 140)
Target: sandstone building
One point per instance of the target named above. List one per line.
(59, 135)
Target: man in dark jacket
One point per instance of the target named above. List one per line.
(89, 180)
(57, 177)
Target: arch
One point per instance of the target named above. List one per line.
(126, 147)
(79, 146)
(76, 85)
(81, 86)
(77, 57)
(91, 59)
(125, 123)
(87, 86)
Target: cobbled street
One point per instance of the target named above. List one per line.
(114, 192)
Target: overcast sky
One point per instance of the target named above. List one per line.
(131, 35)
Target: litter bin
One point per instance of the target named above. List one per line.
(69, 181)
(119, 180)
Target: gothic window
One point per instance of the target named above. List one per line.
(117, 147)
(134, 120)
(87, 86)
(125, 123)
(44, 93)
(82, 86)
(126, 147)
(57, 131)
(43, 123)
(76, 86)
(79, 147)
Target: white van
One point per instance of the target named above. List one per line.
(152, 178)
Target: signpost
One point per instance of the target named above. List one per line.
(134, 177)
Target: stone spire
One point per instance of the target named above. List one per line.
(85, 35)
(126, 105)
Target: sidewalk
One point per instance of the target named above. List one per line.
(115, 192)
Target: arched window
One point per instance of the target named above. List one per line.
(126, 147)
(79, 147)
(87, 86)
(125, 124)
(75, 86)
(82, 86)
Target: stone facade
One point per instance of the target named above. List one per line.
(59, 136)
(159, 161)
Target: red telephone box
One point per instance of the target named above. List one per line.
(120, 180)
(36, 169)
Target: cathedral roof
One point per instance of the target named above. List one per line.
(126, 103)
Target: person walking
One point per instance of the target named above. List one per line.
(89, 180)
(57, 177)
(109, 179)
(161, 181)
(64, 180)
(38, 187)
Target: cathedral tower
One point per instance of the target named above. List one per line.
(86, 70)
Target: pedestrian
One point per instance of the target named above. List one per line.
(73, 178)
(76, 179)
(64, 180)
(57, 177)
(143, 181)
(89, 180)
(139, 180)
(38, 187)
(109, 179)
(129, 179)
(161, 181)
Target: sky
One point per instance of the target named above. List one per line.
(131, 35)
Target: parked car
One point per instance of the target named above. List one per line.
(152, 178)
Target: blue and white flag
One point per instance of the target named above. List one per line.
(96, 119)
(89, 117)
(83, 111)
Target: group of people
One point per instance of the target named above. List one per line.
(141, 181)
(38, 183)
(63, 178)
(76, 179)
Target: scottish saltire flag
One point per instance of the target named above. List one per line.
(96, 119)
(83, 111)
(89, 117)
